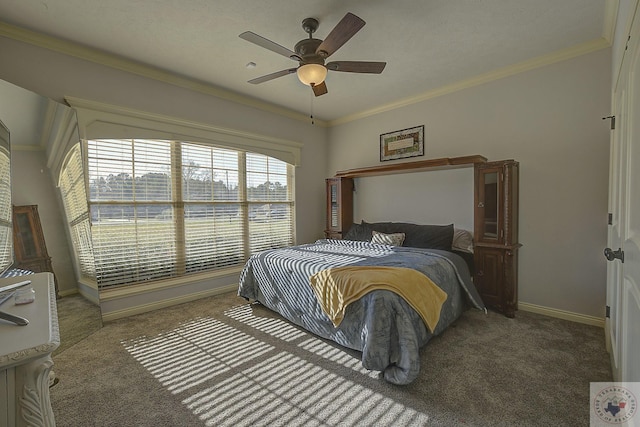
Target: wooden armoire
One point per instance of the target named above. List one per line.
(339, 207)
(496, 234)
(28, 241)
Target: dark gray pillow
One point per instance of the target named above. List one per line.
(360, 232)
(417, 236)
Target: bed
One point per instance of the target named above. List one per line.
(386, 328)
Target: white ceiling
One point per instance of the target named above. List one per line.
(427, 44)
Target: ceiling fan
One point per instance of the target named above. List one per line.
(311, 54)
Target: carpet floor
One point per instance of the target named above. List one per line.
(222, 362)
(77, 319)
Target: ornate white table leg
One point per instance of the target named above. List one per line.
(35, 405)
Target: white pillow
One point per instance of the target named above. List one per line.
(462, 240)
(394, 239)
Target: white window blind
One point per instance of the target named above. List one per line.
(74, 198)
(270, 203)
(6, 236)
(213, 219)
(132, 218)
(163, 209)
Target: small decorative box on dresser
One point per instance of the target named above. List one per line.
(339, 207)
(496, 234)
(25, 356)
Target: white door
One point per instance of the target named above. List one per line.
(623, 278)
(617, 172)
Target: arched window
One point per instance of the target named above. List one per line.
(162, 209)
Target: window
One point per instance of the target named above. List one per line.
(213, 215)
(160, 209)
(74, 198)
(6, 239)
(270, 213)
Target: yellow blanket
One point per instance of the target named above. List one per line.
(338, 287)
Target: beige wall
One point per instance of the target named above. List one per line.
(32, 185)
(549, 119)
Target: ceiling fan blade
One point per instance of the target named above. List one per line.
(346, 28)
(268, 44)
(320, 89)
(272, 76)
(357, 66)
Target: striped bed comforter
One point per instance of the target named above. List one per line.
(381, 324)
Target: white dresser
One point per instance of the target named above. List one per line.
(25, 356)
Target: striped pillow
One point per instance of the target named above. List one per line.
(393, 239)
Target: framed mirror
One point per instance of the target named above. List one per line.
(34, 123)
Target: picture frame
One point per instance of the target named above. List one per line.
(401, 144)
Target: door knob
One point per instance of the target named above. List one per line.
(611, 255)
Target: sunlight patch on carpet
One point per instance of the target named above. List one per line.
(330, 352)
(227, 377)
(269, 325)
(194, 353)
(285, 331)
(285, 389)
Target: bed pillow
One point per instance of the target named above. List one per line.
(430, 237)
(394, 239)
(462, 240)
(359, 232)
(418, 236)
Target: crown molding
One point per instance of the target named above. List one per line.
(610, 18)
(498, 74)
(117, 62)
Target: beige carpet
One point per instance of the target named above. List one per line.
(221, 362)
(77, 318)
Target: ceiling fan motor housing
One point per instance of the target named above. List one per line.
(306, 50)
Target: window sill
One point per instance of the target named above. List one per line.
(143, 288)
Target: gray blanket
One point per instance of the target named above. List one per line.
(382, 325)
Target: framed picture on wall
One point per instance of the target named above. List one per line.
(402, 143)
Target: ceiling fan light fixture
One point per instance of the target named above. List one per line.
(312, 74)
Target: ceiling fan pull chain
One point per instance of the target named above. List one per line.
(311, 107)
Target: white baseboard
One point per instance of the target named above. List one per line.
(139, 309)
(562, 314)
(67, 292)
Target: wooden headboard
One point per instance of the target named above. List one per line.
(495, 219)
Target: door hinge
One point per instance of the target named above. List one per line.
(610, 219)
(613, 121)
(607, 313)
